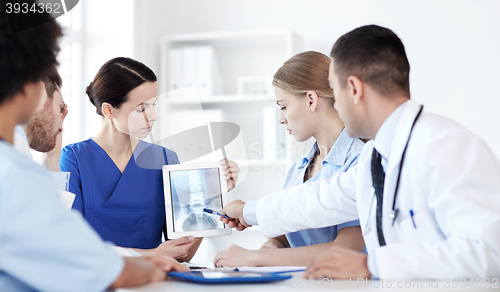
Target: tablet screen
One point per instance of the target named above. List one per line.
(192, 191)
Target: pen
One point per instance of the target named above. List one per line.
(197, 268)
(292, 271)
(225, 269)
(412, 220)
(214, 212)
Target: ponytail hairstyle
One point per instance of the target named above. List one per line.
(116, 78)
(307, 71)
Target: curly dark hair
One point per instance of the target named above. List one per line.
(27, 55)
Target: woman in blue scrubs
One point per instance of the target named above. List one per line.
(116, 177)
(306, 105)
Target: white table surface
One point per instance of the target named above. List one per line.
(299, 284)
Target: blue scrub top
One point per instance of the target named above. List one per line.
(126, 208)
(343, 155)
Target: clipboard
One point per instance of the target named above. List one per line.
(220, 277)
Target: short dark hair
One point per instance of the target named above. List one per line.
(52, 82)
(116, 78)
(375, 55)
(25, 56)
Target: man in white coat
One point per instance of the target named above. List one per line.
(426, 190)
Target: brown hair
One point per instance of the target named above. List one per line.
(52, 82)
(375, 55)
(307, 71)
(116, 78)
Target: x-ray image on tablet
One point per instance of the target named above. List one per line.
(192, 191)
(189, 189)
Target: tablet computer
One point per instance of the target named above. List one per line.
(190, 188)
(215, 277)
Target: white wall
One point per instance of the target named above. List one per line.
(453, 45)
(107, 29)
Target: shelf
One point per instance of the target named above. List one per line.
(235, 59)
(263, 162)
(222, 99)
(233, 38)
(235, 54)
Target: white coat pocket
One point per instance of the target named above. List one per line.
(420, 227)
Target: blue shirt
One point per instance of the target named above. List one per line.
(343, 155)
(42, 245)
(126, 208)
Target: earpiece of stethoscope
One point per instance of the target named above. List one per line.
(394, 212)
(369, 221)
(367, 231)
(393, 215)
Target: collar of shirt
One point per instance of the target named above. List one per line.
(21, 142)
(337, 155)
(385, 135)
(20, 131)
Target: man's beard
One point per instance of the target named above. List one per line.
(41, 135)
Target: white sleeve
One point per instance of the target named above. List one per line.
(249, 212)
(463, 189)
(325, 202)
(126, 252)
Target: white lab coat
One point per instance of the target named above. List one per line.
(451, 181)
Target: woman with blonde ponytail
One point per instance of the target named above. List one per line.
(306, 104)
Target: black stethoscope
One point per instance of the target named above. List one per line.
(394, 212)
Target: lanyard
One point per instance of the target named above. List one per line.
(394, 212)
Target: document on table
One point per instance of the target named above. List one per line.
(61, 183)
(60, 180)
(275, 269)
